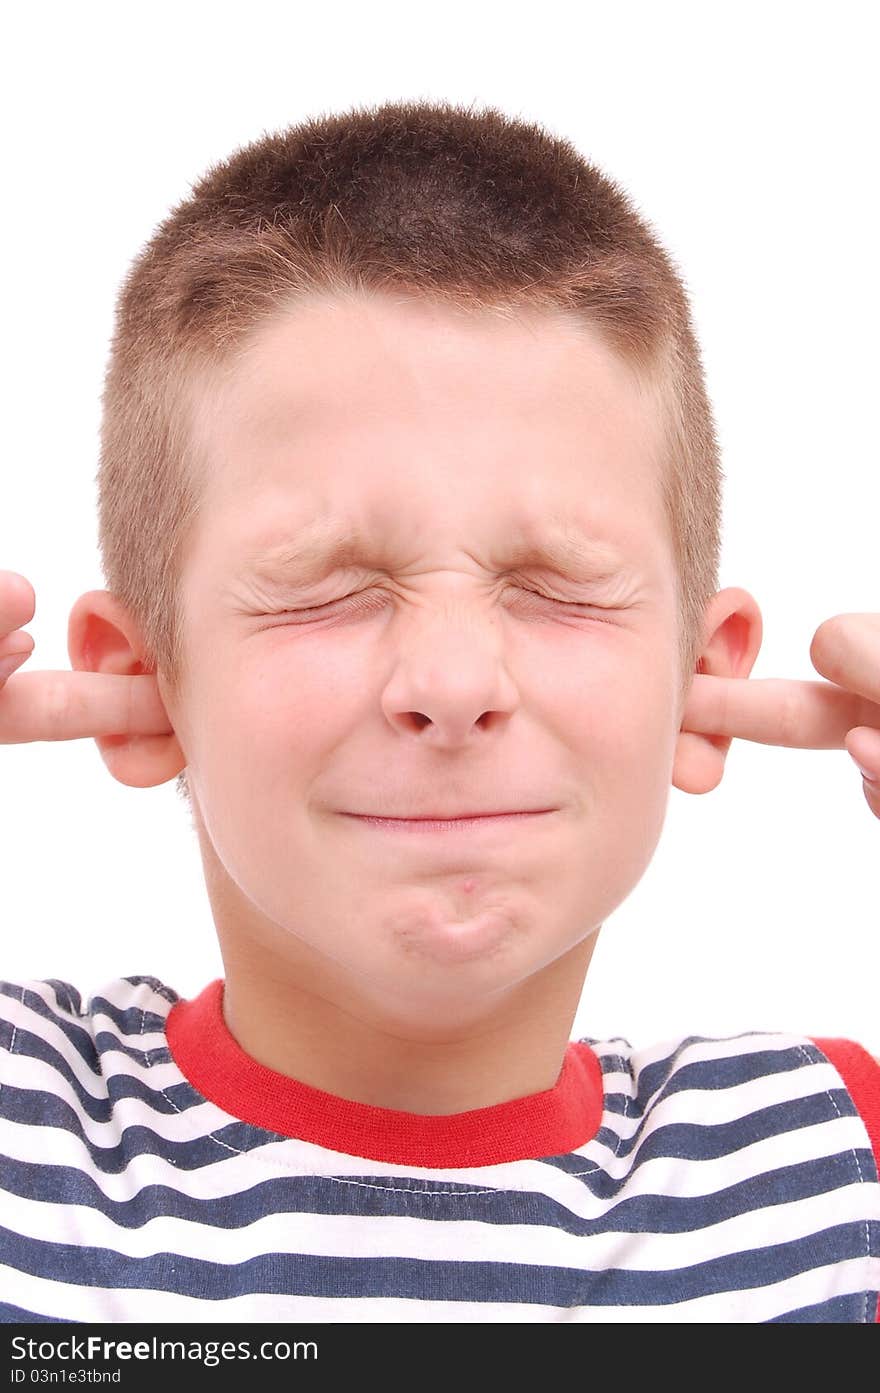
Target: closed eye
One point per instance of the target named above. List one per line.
(372, 603)
(569, 604)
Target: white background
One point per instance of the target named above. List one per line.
(747, 134)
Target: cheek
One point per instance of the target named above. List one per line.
(289, 697)
(621, 717)
(622, 685)
(607, 695)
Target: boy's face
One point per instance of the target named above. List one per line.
(451, 446)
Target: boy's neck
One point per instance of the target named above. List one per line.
(322, 1035)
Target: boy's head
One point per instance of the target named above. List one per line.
(446, 344)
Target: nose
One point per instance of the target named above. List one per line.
(450, 683)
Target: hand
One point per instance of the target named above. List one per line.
(62, 705)
(806, 715)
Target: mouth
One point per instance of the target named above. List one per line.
(454, 817)
(461, 822)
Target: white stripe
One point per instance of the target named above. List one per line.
(25, 1071)
(766, 1154)
(120, 995)
(423, 1238)
(111, 1060)
(35, 1075)
(752, 1042)
(237, 1171)
(58, 1147)
(707, 1051)
(714, 1107)
(675, 1054)
(753, 1305)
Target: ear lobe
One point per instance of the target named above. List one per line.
(142, 761)
(698, 765)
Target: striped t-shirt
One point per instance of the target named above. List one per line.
(151, 1170)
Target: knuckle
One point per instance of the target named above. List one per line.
(791, 717)
(55, 705)
(129, 704)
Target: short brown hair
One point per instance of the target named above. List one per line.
(472, 208)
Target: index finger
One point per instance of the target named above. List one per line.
(62, 705)
(776, 711)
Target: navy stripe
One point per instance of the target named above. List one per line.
(696, 1142)
(36, 1107)
(621, 1061)
(131, 1020)
(106, 1030)
(432, 1200)
(305, 1274)
(659, 1213)
(693, 1141)
(858, 1307)
(18, 1315)
(140, 979)
(652, 1077)
(610, 1063)
(89, 1044)
(839, 1310)
(105, 1040)
(33, 1108)
(67, 997)
(711, 1074)
(699, 1078)
(177, 1097)
(708, 1075)
(81, 1039)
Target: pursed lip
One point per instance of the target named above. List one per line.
(453, 817)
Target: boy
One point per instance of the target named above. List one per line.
(409, 509)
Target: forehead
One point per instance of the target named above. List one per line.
(338, 407)
(335, 355)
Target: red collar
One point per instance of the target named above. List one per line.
(551, 1123)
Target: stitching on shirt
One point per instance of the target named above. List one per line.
(855, 1156)
(258, 1155)
(270, 1164)
(465, 1194)
(225, 1146)
(407, 1190)
(446, 1194)
(167, 1096)
(620, 1131)
(147, 1052)
(14, 1030)
(15, 1027)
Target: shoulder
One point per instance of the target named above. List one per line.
(53, 1010)
(69, 1056)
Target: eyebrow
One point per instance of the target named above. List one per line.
(314, 551)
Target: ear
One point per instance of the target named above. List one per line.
(732, 639)
(103, 637)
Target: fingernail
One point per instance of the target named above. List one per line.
(869, 775)
(10, 663)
